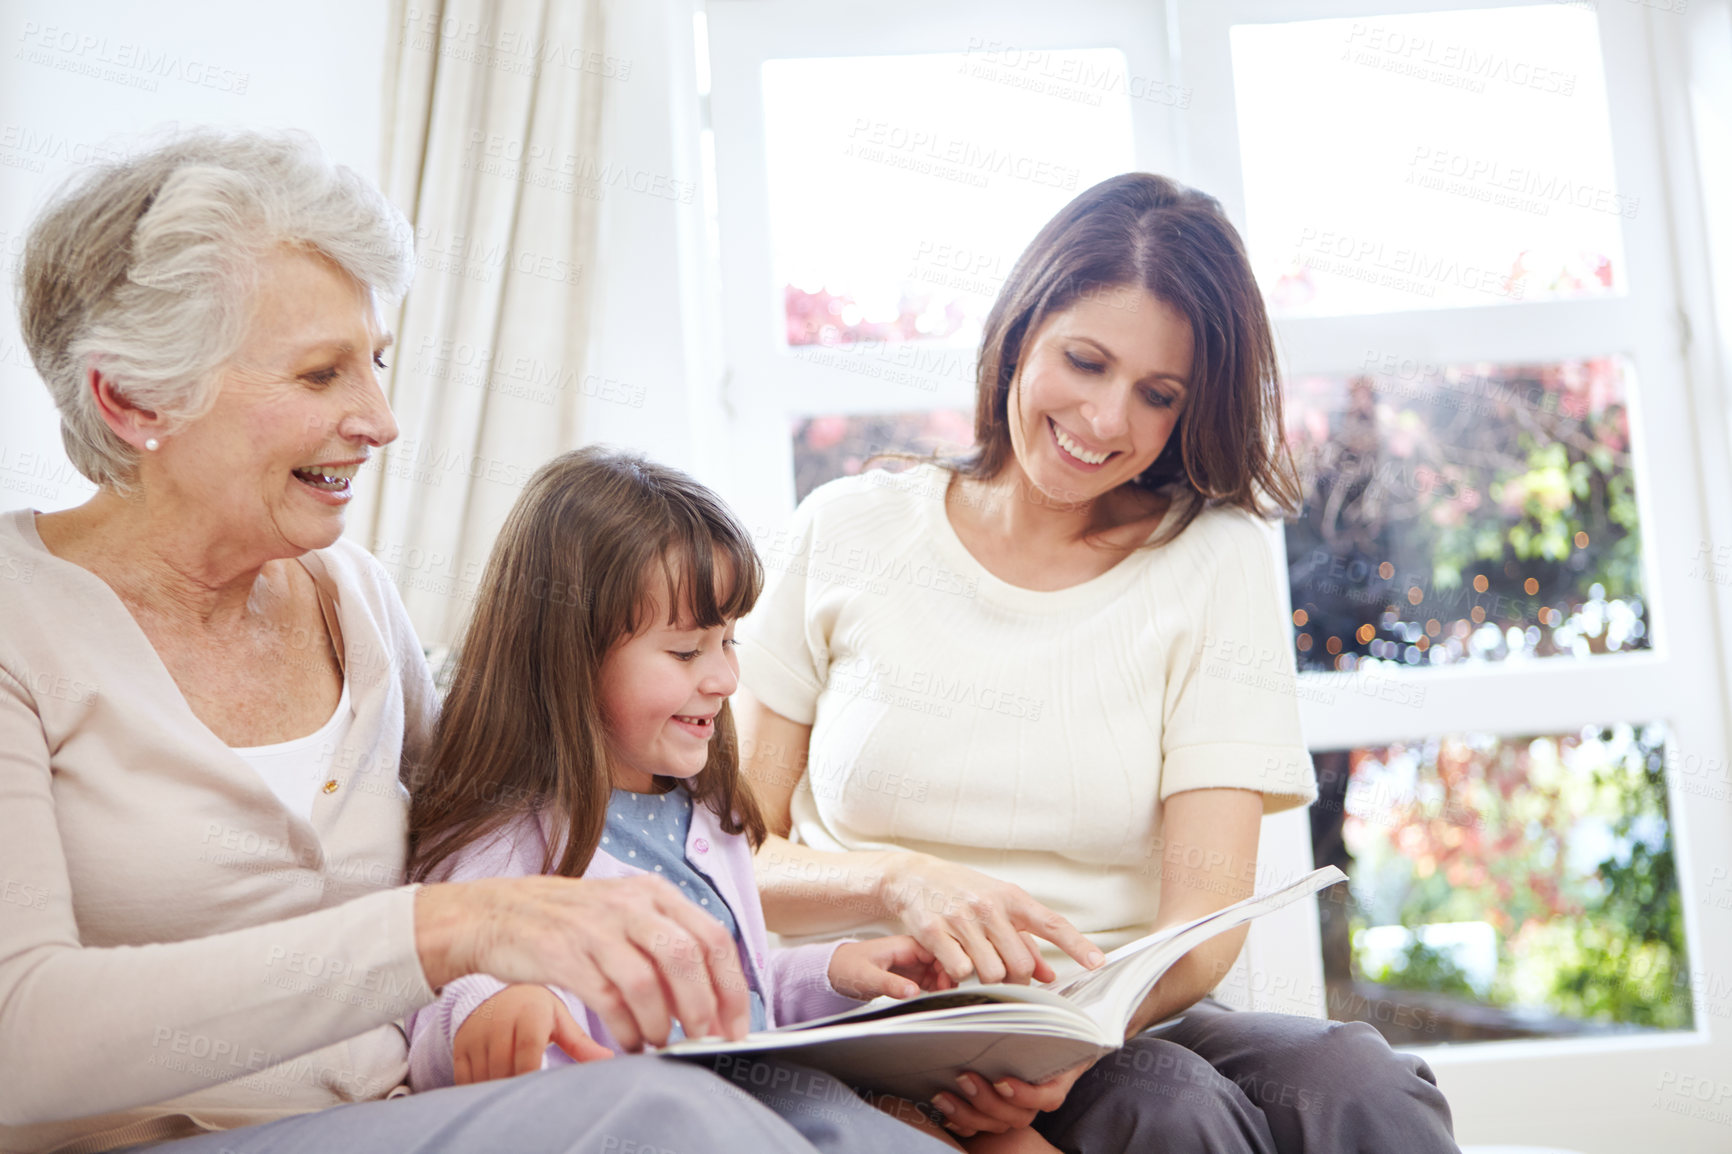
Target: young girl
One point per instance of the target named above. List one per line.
(587, 733)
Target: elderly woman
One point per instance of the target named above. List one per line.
(1052, 737)
(208, 699)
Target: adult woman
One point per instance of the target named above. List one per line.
(1077, 705)
(206, 698)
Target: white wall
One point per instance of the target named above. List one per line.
(81, 80)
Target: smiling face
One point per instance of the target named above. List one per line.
(267, 470)
(661, 690)
(1097, 393)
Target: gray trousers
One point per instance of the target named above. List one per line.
(628, 1105)
(1221, 1082)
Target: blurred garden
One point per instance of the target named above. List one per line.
(1501, 888)
(1512, 887)
(1464, 513)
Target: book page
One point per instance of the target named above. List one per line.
(886, 1008)
(1111, 994)
(917, 1046)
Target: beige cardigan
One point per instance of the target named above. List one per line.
(178, 951)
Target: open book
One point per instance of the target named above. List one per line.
(917, 1047)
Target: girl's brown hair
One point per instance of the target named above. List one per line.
(574, 572)
(1147, 232)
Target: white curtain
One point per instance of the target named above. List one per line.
(492, 123)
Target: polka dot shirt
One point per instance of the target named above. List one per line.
(648, 830)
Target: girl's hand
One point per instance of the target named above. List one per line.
(982, 1107)
(633, 949)
(898, 966)
(974, 924)
(509, 1033)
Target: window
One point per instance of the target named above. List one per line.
(1507, 678)
(829, 447)
(1465, 513)
(900, 186)
(1478, 170)
(1505, 887)
(878, 173)
(1501, 593)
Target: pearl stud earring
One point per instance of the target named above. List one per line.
(153, 444)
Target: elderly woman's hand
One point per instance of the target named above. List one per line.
(975, 924)
(632, 949)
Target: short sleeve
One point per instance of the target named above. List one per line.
(785, 659)
(1231, 711)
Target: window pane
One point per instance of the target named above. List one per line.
(1502, 888)
(903, 188)
(1465, 513)
(1430, 160)
(829, 447)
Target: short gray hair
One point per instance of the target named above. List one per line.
(148, 266)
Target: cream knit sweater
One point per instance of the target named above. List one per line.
(1030, 735)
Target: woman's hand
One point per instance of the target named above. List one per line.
(982, 1107)
(898, 966)
(632, 949)
(509, 1033)
(974, 924)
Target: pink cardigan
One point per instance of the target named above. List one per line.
(795, 982)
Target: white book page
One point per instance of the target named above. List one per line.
(1112, 993)
(903, 1014)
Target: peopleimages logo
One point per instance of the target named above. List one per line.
(121, 62)
(1406, 269)
(937, 153)
(1071, 76)
(926, 691)
(1454, 65)
(1518, 186)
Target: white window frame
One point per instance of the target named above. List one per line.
(1590, 1093)
(767, 385)
(1596, 1093)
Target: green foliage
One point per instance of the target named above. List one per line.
(1493, 840)
(1629, 966)
(1496, 495)
(1421, 967)
(1488, 513)
(1615, 977)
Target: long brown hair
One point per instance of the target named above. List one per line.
(574, 572)
(1144, 231)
